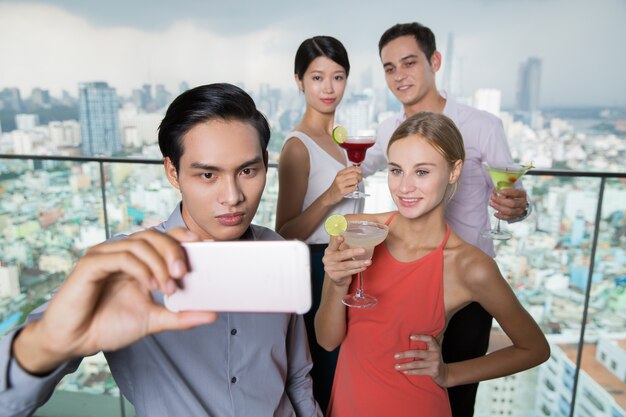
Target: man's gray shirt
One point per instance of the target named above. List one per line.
(241, 365)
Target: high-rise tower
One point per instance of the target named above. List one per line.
(447, 83)
(528, 85)
(99, 126)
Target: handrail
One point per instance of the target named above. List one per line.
(101, 159)
(575, 173)
(154, 161)
(602, 175)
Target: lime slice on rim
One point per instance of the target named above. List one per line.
(339, 134)
(335, 225)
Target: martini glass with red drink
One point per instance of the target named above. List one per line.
(356, 147)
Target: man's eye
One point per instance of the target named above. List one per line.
(247, 171)
(208, 175)
(410, 63)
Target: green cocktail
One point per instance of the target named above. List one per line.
(503, 177)
(506, 177)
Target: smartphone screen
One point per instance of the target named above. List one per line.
(245, 276)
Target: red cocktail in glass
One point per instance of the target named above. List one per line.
(356, 148)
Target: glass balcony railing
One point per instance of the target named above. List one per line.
(566, 263)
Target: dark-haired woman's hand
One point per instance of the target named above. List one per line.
(345, 182)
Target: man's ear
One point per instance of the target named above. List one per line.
(435, 61)
(456, 171)
(170, 172)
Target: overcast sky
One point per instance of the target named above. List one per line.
(57, 43)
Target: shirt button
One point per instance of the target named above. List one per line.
(233, 379)
(233, 332)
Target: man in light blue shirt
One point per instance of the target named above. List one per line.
(214, 143)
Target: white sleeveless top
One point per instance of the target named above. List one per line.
(322, 171)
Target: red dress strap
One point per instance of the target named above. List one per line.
(391, 218)
(445, 238)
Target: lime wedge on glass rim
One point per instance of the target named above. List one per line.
(336, 225)
(339, 134)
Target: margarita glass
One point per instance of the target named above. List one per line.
(503, 177)
(356, 147)
(363, 234)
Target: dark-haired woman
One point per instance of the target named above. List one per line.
(314, 177)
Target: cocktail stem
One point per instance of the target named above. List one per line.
(359, 290)
(357, 184)
(498, 225)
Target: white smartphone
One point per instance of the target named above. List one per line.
(245, 276)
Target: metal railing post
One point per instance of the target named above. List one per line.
(104, 200)
(592, 261)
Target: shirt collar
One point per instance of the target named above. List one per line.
(449, 109)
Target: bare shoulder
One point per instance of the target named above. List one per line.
(471, 266)
(294, 151)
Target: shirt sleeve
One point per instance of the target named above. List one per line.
(299, 383)
(376, 156)
(494, 147)
(20, 392)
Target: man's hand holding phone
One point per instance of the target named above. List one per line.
(105, 303)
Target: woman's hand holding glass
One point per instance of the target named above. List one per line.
(339, 262)
(345, 182)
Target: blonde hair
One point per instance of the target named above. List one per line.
(438, 130)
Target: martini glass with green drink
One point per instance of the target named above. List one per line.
(503, 177)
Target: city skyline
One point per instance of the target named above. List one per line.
(129, 44)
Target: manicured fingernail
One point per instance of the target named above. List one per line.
(170, 286)
(177, 268)
(397, 356)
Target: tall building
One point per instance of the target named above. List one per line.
(67, 99)
(40, 98)
(65, 133)
(601, 390)
(26, 121)
(488, 99)
(367, 78)
(10, 99)
(9, 281)
(162, 97)
(357, 113)
(446, 83)
(268, 100)
(528, 85)
(99, 126)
